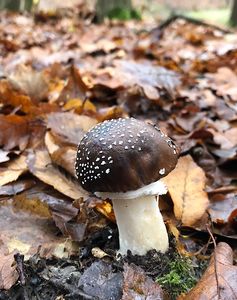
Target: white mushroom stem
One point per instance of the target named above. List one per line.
(140, 223)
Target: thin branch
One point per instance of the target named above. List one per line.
(215, 262)
(159, 30)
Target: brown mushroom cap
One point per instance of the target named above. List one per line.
(122, 155)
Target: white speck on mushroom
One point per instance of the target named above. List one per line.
(162, 171)
(103, 163)
(107, 171)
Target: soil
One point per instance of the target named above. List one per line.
(79, 277)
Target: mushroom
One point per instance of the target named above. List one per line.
(124, 160)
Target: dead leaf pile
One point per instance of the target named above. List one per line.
(62, 76)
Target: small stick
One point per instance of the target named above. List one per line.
(19, 259)
(215, 262)
(163, 25)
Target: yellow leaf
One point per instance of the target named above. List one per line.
(186, 185)
(79, 105)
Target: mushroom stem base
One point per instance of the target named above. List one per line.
(140, 224)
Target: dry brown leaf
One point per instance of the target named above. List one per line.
(150, 78)
(10, 97)
(41, 166)
(221, 208)
(26, 231)
(74, 88)
(219, 280)
(70, 126)
(8, 273)
(186, 184)
(63, 156)
(139, 286)
(16, 187)
(218, 81)
(14, 132)
(13, 170)
(30, 82)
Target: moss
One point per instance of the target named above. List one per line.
(180, 276)
(124, 14)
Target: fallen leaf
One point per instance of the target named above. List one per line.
(10, 97)
(218, 81)
(186, 184)
(221, 207)
(4, 156)
(80, 106)
(190, 122)
(30, 82)
(70, 126)
(223, 139)
(149, 78)
(13, 170)
(46, 202)
(25, 232)
(137, 285)
(14, 132)
(16, 187)
(41, 166)
(8, 273)
(74, 88)
(219, 280)
(231, 135)
(62, 155)
(99, 281)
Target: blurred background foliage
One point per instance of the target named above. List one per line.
(223, 12)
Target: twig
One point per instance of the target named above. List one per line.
(19, 259)
(215, 261)
(159, 30)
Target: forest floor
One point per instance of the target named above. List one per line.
(60, 75)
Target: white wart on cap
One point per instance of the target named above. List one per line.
(122, 155)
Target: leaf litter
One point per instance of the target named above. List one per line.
(180, 75)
